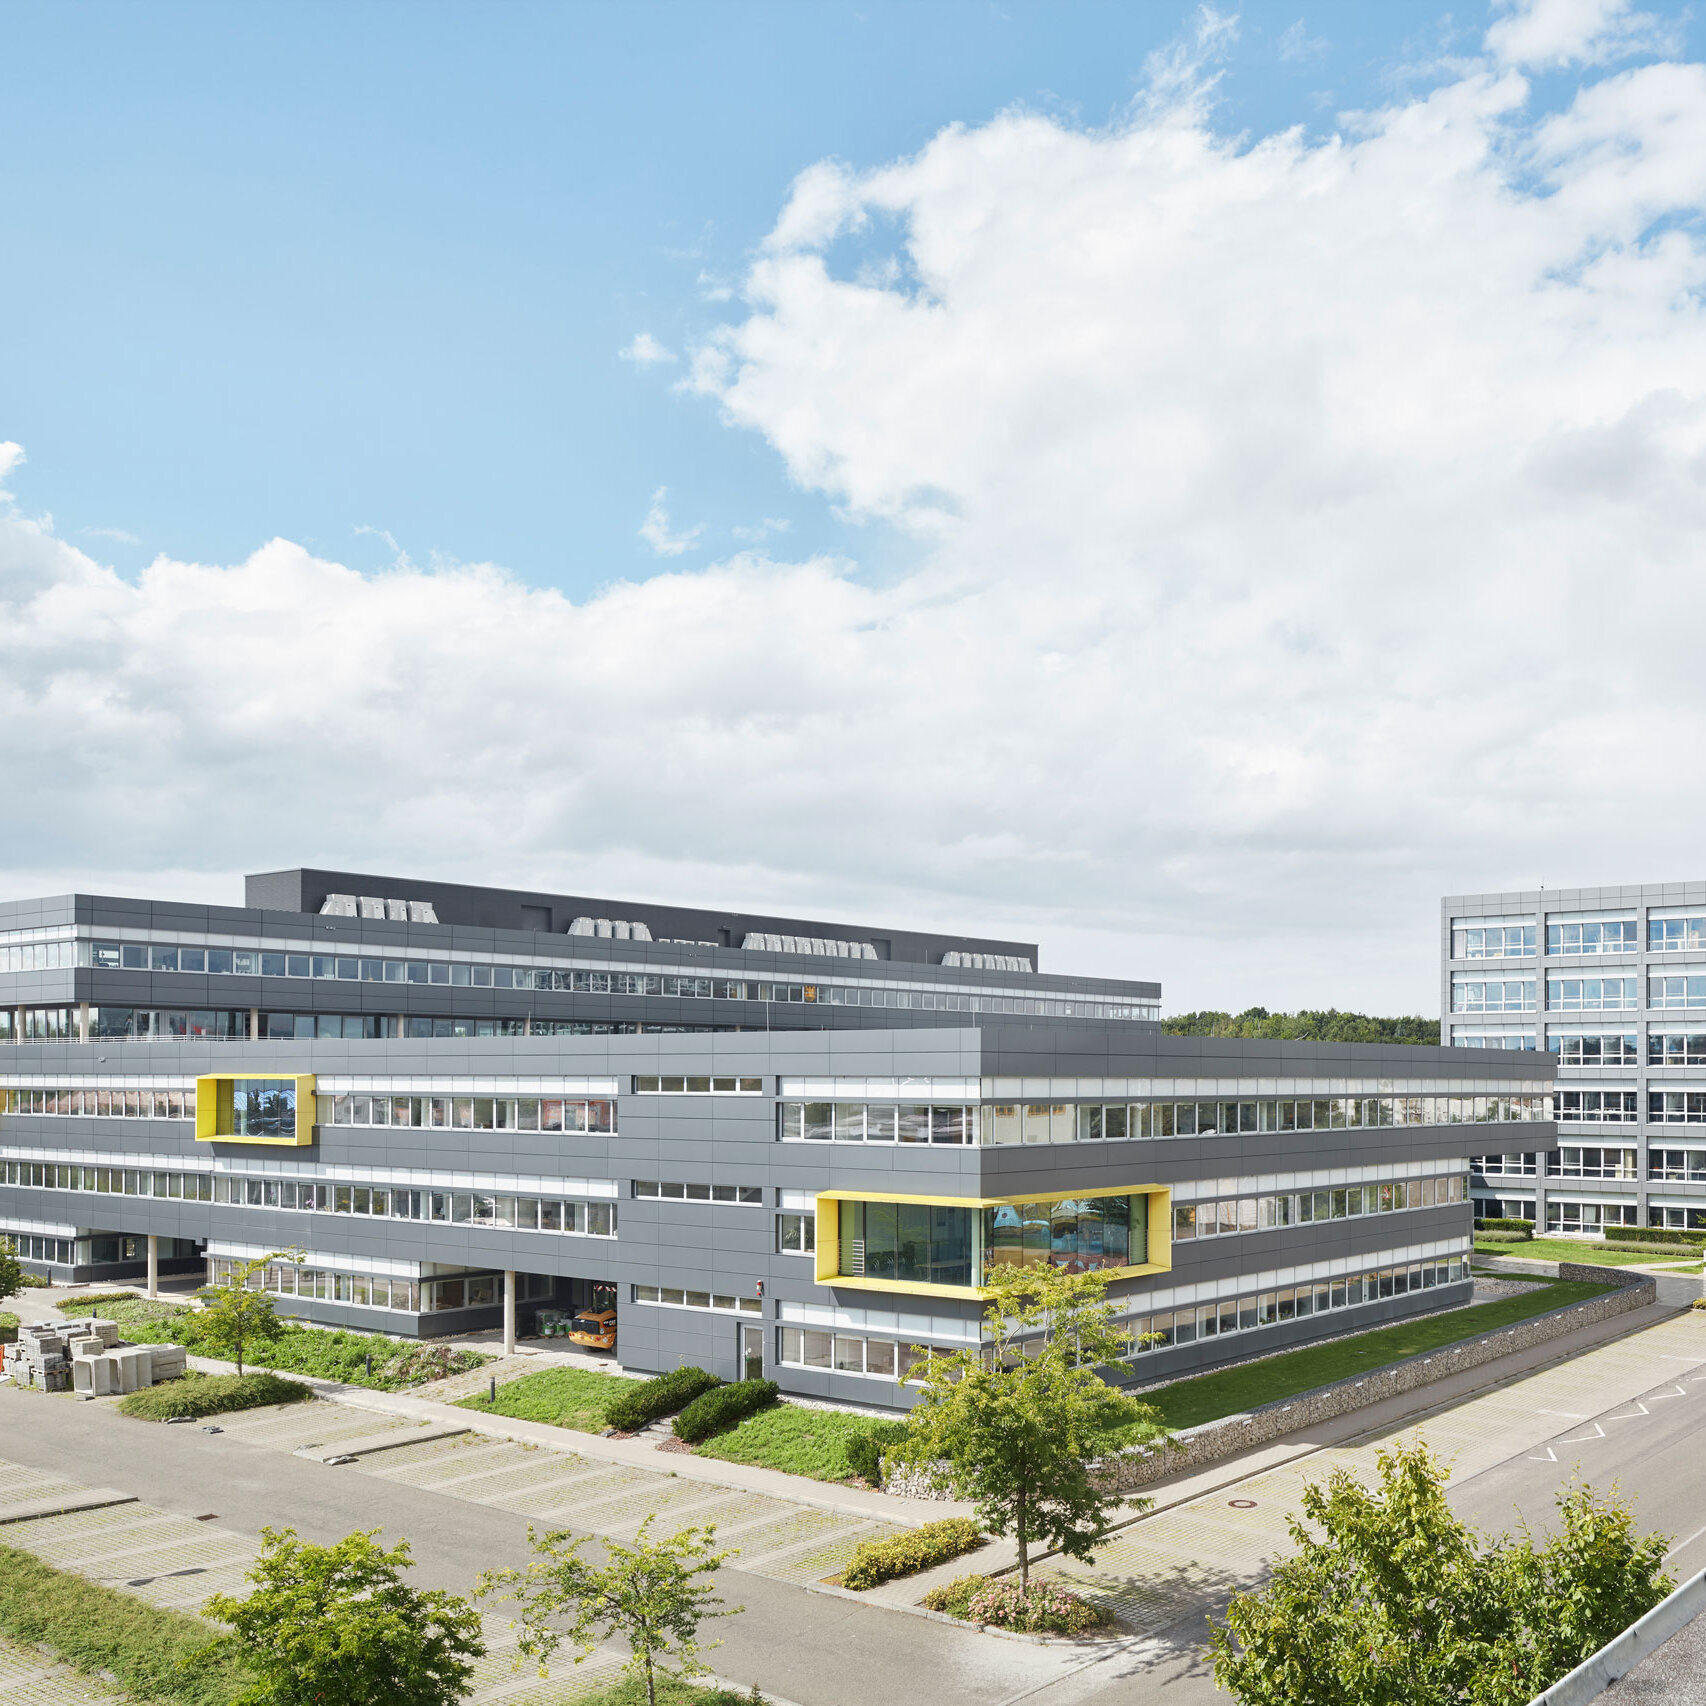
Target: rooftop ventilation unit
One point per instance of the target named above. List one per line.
(825, 947)
(612, 929)
(375, 906)
(985, 962)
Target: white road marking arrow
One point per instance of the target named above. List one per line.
(1629, 1415)
(1576, 1439)
(1659, 1397)
(1550, 1457)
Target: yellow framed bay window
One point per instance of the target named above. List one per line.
(246, 1107)
(946, 1246)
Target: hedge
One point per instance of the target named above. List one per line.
(94, 1299)
(878, 1561)
(653, 1398)
(1504, 1226)
(723, 1407)
(865, 1449)
(1653, 1235)
(97, 1628)
(1507, 1237)
(212, 1395)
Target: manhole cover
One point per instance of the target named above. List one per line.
(1242, 1504)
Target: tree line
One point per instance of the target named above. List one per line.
(1308, 1024)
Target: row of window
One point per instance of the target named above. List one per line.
(379, 1291)
(1570, 1161)
(688, 1086)
(461, 1208)
(1595, 1217)
(677, 1192)
(1622, 1107)
(1016, 1123)
(1612, 1048)
(845, 1353)
(476, 1113)
(34, 1247)
(1575, 994)
(1597, 936)
(1169, 1327)
(1263, 1214)
(102, 1104)
(674, 1297)
(136, 1024)
(360, 968)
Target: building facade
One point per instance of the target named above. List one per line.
(1611, 983)
(768, 1143)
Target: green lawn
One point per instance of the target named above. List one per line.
(1567, 1250)
(564, 1397)
(1185, 1403)
(793, 1439)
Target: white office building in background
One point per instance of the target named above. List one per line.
(1612, 981)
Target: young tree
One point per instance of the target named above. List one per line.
(338, 1626)
(11, 1270)
(652, 1593)
(1395, 1603)
(1018, 1419)
(236, 1316)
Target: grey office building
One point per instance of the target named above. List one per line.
(772, 1143)
(1611, 982)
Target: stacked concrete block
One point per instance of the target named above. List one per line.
(40, 1358)
(89, 1358)
(169, 1362)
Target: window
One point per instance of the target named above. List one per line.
(844, 1353)
(477, 1113)
(796, 1234)
(1574, 1162)
(671, 1297)
(1492, 941)
(1504, 1208)
(1679, 1219)
(263, 1107)
(1581, 994)
(1596, 936)
(173, 1104)
(1666, 935)
(1492, 995)
(1587, 1216)
(677, 1192)
(1677, 1166)
(1676, 1048)
(698, 1086)
(1619, 1048)
(1676, 992)
(1159, 1332)
(1503, 1166)
(1265, 1214)
(1077, 1234)
(1676, 1107)
(1492, 1039)
(877, 1122)
(1615, 1107)
(913, 1243)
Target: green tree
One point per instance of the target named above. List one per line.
(338, 1626)
(11, 1270)
(1391, 1599)
(1018, 1419)
(652, 1593)
(236, 1316)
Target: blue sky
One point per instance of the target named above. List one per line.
(300, 270)
(1187, 487)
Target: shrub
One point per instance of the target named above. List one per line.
(1499, 1237)
(1653, 1235)
(212, 1395)
(1504, 1226)
(653, 1398)
(35, 1282)
(1698, 1303)
(92, 1301)
(879, 1561)
(1040, 1609)
(865, 1449)
(722, 1407)
(8, 1327)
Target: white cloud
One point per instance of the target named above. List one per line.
(645, 351)
(1547, 35)
(1299, 530)
(660, 535)
(771, 524)
(117, 533)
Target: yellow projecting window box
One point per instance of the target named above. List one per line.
(873, 1241)
(246, 1107)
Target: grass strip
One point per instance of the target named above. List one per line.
(212, 1395)
(1566, 1250)
(672, 1691)
(1186, 1403)
(793, 1439)
(564, 1397)
(97, 1628)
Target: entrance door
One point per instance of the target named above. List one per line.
(752, 1353)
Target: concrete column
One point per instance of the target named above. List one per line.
(254, 1024)
(153, 1265)
(82, 1021)
(509, 1312)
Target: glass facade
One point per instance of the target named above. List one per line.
(1265, 1214)
(1492, 941)
(911, 1243)
(263, 1107)
(1597, 936)
(1076, 1234)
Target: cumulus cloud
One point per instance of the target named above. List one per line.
(645, 351)
(1547, 35)
(657, 531)
(1297, 529)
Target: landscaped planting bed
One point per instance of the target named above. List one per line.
(795, 1440)
(329, 1355)
(195, 1395)
(1040, 1609)
(564, 1397)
